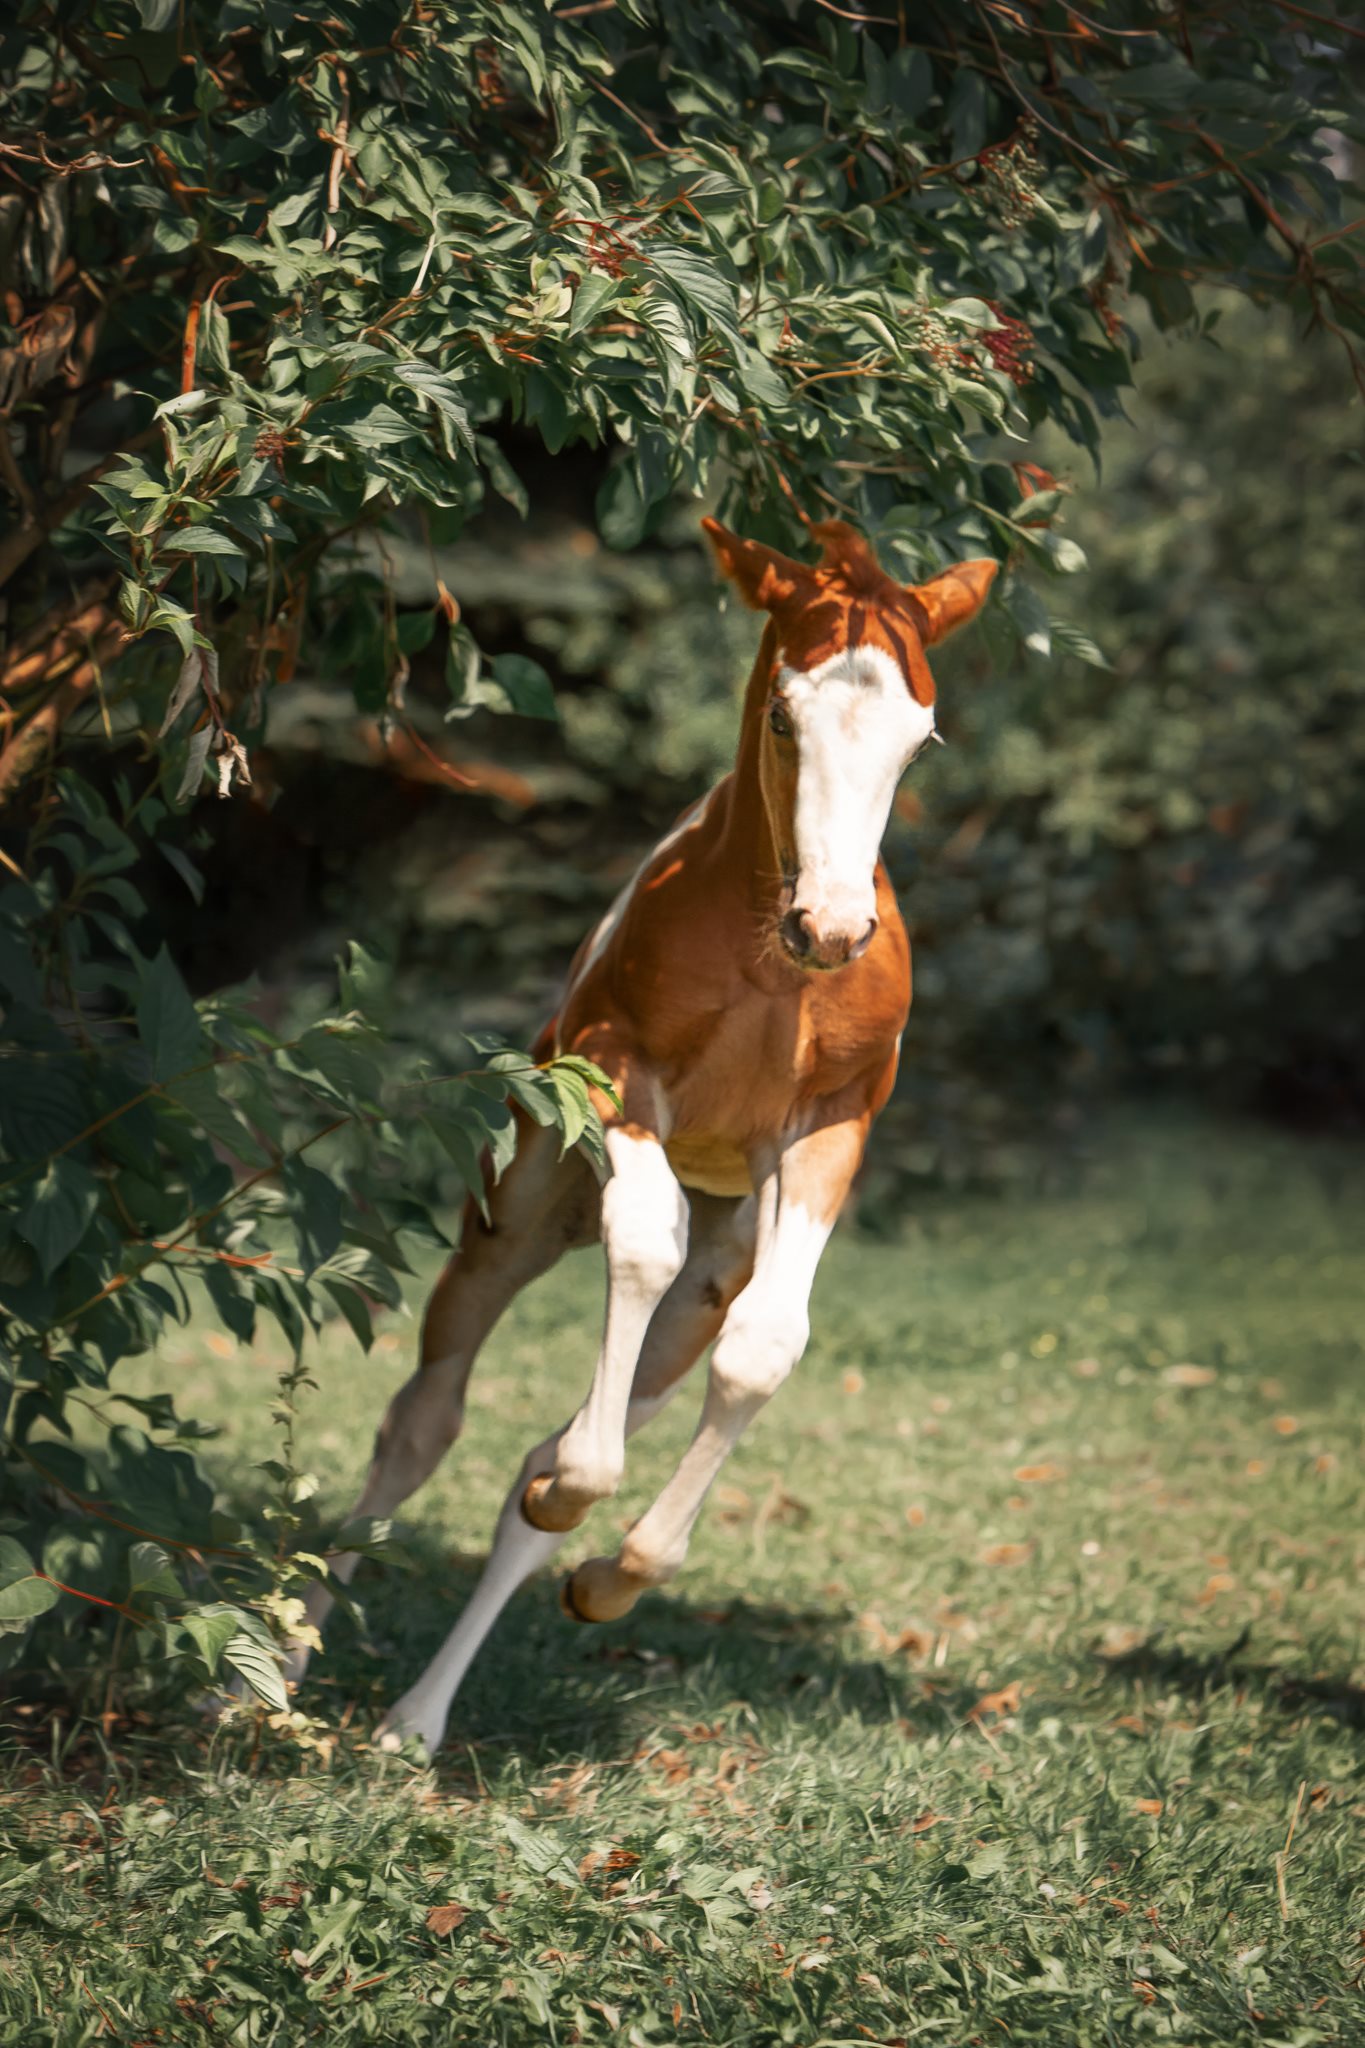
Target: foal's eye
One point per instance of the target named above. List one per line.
(779, 718)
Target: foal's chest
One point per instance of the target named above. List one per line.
(762, 1070)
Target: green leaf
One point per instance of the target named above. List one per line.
(332, 1925)
(1029, 614)
(260, 1668)
(541, 1851)
(199, 1096)
(575, 1110)
(201, 540)
(621, 507)
(211, 1628)
(150, 1575)
(442, 391)
(167, 1022)
(23, 1594)
(528, 688)
(58, 1212)
(698, 281)
(353, 1307)
(1073, 641)
(196, 760)
(366, 981)
(593, 297)
(315, 1208)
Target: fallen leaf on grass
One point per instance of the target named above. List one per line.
(1007, 1553)
(1285, 1425)
(1149, 1806)
(674, 1765)
(1189, 1375)
(445, 1919)
(607, 1861)
(1006, 1701)
(1037, 1475)
(908, 1642)
(852, 1383)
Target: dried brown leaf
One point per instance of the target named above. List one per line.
(445, 1919)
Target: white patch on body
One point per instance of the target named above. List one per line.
(610, 924)
(857, 728)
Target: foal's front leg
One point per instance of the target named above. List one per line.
(764, 1335)
(644, 1228)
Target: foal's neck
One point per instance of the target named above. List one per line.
(752, 853)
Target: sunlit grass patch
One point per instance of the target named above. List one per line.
(1016, 1636)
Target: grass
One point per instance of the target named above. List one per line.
(1015, 1638)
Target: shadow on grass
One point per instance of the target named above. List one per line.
(1195, 1674)
(552, 1690)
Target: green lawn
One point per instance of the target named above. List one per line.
(942, 1736)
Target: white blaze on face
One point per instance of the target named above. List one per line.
(857, 727)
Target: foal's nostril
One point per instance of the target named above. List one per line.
(797, 936)
(860, 946)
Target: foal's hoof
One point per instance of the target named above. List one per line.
(598, 1591)
(543, 1511)
(568, 1602)
(406, 1727)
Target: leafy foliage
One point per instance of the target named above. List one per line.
(331, 252)
(162, 1147)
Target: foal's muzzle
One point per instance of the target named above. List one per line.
(812, 944)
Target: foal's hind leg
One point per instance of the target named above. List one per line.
(719, 1256)
(542, 1206)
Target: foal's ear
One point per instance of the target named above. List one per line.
(763, 577)
(954, 596)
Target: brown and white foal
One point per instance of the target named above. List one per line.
(746, 994)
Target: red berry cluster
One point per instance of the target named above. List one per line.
(1009, 345)
(1098, 295)
(271, 445)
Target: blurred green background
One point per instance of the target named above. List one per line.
(1142, 876)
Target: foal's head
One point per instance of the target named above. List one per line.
(848, 705)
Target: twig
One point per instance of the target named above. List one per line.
(104, 2017)
(1343, 28)
(1283, 1856)
(189, 346)
(638, 119)
(35, 740)
(91, 161)
(339, 152)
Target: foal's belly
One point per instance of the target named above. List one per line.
(712, 1166)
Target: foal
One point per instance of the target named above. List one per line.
(746, 994)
